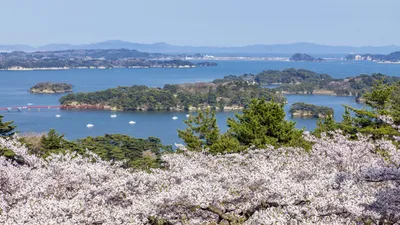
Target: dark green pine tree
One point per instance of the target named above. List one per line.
(394, 104)
(202, 131)
(347, 124)
(264, 123)
(226, 143)
(117, 154)
(52, 140)
(53, 143)
(382, 100)
(325, 125)
(6, 128)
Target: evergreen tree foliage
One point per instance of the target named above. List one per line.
(52, 140)
(55, 143)
(226, 143)
(263, 123)
(379, 97)
(7, 153)
(325, 125)
(383, 100)
(135, 152)
(6, 128)
(202, 131)
(393, 106)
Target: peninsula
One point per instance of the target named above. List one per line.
(50, 88)
(393, 57)
(301, 81)
(301, 109)
(92, 59)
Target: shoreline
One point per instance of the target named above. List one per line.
(99, 68)
(177, 109)
(191, 109)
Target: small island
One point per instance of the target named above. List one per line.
(301, 57)
(50, 88)
(301, 109)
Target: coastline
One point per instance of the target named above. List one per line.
(19, 68)
(76, 106)
(307, 114)
(317, 92)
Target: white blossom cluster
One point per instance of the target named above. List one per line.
(389, 120)
(338, 182)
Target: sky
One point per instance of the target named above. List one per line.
(201, 22)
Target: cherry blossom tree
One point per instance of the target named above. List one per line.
(339, 181)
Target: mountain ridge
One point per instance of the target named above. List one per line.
(162, 47)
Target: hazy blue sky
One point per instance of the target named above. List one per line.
(201, 22)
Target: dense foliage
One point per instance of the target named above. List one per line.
(202, 131)
(261, 124)
(6, 128)
(380, 119)
(131, 152)
(301, 109)
(203, 134)
(383, 102)
(235, 94)
(290, 76)
(301, 81)
(47, 87)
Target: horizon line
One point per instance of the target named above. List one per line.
(237, 46)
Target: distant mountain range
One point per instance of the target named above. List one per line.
(161, 47)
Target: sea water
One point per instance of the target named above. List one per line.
(14, 87)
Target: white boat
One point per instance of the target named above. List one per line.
(187, 115)
(30, 103)
(113, 116)
(132, 122)
(58, 115)
(175, 118)
(90, 125)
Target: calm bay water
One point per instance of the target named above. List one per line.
(14, 85)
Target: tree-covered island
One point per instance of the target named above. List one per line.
(229, 95)
(50, 88)
(301, 109)
(302, 57)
